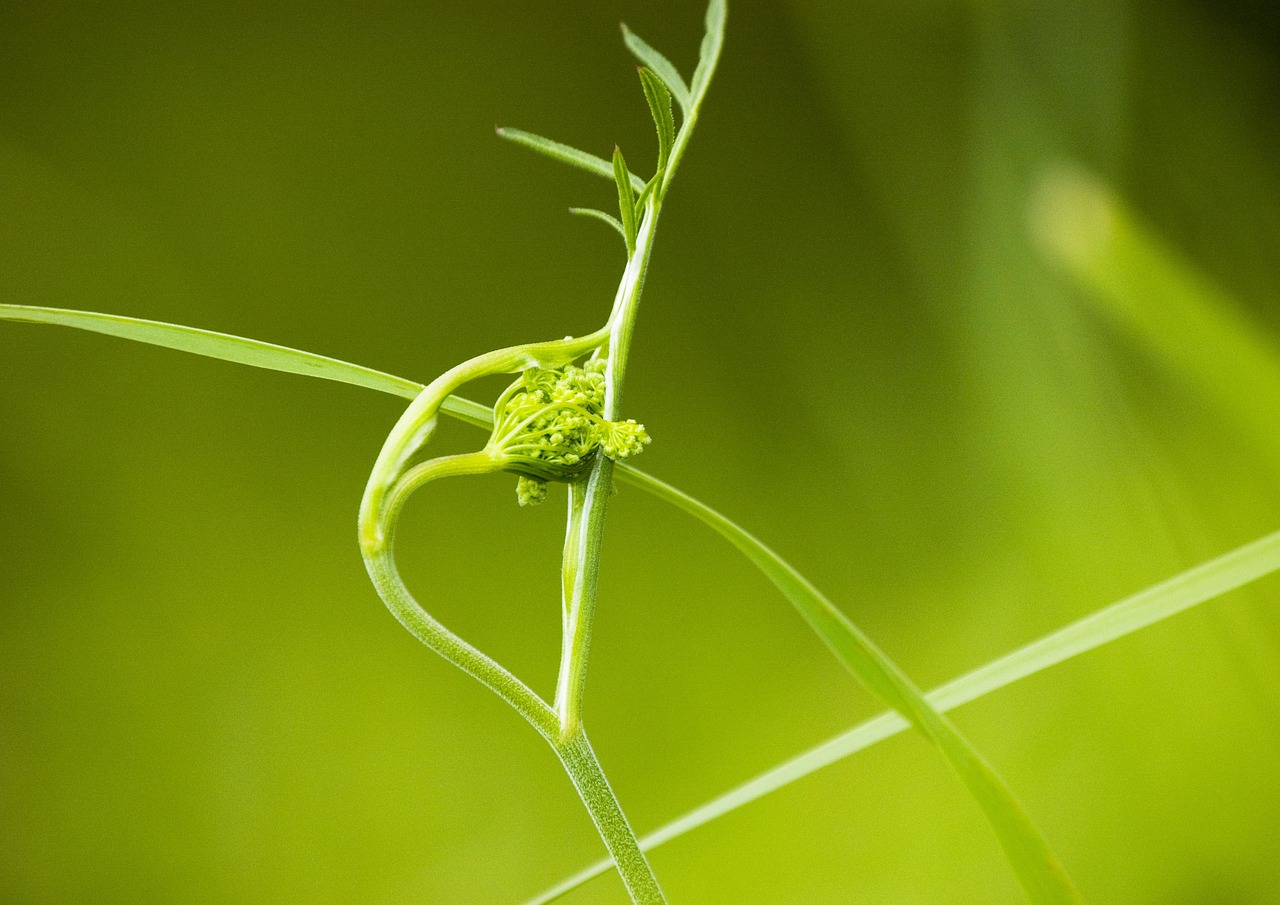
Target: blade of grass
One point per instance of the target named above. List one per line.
(216, 345)
(1153, 605)
(565, 154)
(659, 64)
(1033, 862)
(1145, 286)
(253, 352)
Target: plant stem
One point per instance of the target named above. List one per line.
(588, 778)
(379, 556)
(588, 500)
(579, 574)
(589, 497)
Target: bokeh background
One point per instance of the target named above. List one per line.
(852, 342)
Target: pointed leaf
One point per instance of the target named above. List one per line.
(643, 197)
(659, 99)
(659, 64)
(602, 217)
(565, 154)
(709, 53)
(626, 200)
(215, 345)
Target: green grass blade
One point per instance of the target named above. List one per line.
(626, 200)
(659, 64)
(1162, 299)
(1033, 862)
(1148, 607)
(566, 154)
(602, 217)
(216, 345)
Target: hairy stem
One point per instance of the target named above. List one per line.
(590, 498)
(589, 779)
(377, 546)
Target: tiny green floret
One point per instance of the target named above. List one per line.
(548, 426)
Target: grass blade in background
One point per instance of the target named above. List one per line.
(1034, 863)
(1142, 284)
(1198, 585)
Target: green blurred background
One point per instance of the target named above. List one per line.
(850, 343)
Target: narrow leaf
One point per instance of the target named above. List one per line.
(643, 197)
(659, 99)
(565, 154)
(709, 53)
(602, 217)
(626, 200)
(1153, 605)
(659, 64)
(216, 345)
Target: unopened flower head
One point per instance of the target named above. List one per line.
(548, 426)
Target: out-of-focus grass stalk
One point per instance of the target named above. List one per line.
(1147, 288)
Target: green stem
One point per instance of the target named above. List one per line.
(589, 779)
(379, 558)
(419, 420)
(589, 498)
(579, 576)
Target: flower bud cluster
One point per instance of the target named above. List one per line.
(548, 426)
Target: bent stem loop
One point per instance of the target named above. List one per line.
(573, 749)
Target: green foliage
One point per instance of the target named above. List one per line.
(659, 98)
(565, 154)
(626, 201)
(659, 64)
(611, 221)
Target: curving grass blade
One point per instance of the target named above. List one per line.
(659, 64)
(1148, 607)
(1034, 863)
(565, 154)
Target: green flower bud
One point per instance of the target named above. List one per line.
(531, 491)
(548, 426)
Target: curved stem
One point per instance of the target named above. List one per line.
(588, 778)
(419, 419)
(379, 559)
